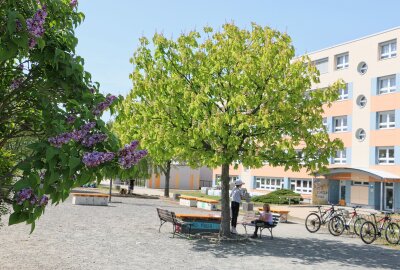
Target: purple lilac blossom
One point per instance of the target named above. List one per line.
(32, 43)
(16, 83)
(129, 157)
(76, 135)
(71, 119)
(35, 26)
(33, 200)
(104, 105)
(44, 200)
(73, 3)
(89, 141)
(95, 158)
(23, 195)
(18, 25)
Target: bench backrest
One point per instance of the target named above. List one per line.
(166, 215)
(275, 219)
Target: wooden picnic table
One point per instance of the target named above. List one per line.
(197, 216)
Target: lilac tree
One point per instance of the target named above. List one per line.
(48, 97)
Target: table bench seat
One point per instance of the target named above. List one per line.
(90, 199)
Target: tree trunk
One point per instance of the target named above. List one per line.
(167, 176)
(109, 198)
(226, 208)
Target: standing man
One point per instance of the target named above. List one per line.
(236, 195)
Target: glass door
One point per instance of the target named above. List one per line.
(388, 196)
(342, 190)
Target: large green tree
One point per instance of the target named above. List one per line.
(48, 97)
(232, 96)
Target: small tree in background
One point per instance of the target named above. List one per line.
(131, 124)
(233, 96)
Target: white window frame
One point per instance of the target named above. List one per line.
(232, 179)
(360, 183)
(317, 63)
(342, 61)
(300, 156)
(340, 157)
(269, 183)
(386, 159)
(385, 117)
(325, 123)
(344, 93)
(392, 49)
(340, 123)
(386, 84)
(301, 187)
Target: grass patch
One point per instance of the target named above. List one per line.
(198, 194)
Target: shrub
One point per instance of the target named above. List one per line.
(280, 196)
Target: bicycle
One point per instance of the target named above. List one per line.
(317, 218)
(370, 230)
(339, 223)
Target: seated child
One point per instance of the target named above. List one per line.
(265, 217)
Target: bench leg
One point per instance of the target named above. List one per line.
(245, 229)
(161, 223)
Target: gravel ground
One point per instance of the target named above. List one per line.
(125, 235)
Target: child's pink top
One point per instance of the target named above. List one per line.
(266, 216)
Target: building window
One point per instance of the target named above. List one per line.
(360, 134)
(300, 156)
(343, 93)
(303, 186)
(359, 183)
(340, 157)
(321, 65)
(232, 179)
(385, 155)
(387, 84)
(269, 183)
(386, 120)
(362, 68)
(325, 123)
(361, 101)
(388, 49)
(340, 124)
(342, 61)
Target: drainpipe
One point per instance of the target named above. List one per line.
(381, 206)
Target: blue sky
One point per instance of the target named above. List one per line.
(109, 35)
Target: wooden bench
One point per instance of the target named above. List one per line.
(208, 204)
(249, 217)
(188, 200)
(283, 214)
(90, 199)
(177, 225)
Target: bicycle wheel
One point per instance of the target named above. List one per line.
(336, 226)
(313, 223)
(368, 232)
(357, 225)
(392, 233)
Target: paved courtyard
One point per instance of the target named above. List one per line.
(125, 235)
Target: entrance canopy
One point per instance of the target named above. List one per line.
(346, 173)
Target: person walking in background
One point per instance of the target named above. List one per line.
(265, 219)
(237, 195)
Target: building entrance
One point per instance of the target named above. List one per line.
(388, 196)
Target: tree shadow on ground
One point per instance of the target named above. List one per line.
(311, 251)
